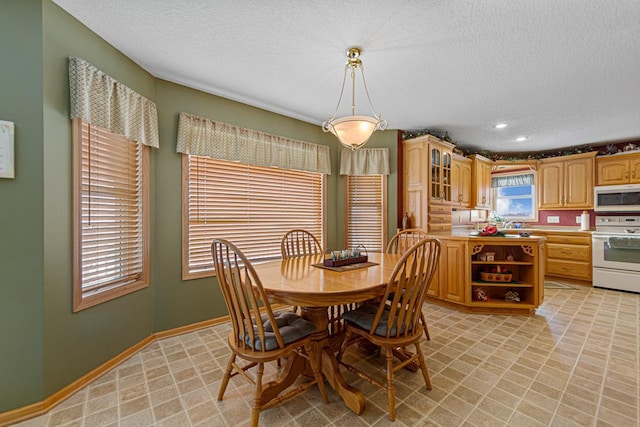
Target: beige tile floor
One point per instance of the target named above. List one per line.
(574, 363)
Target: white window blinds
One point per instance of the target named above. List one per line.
(109, 215)
(365, 216)
(250, 206)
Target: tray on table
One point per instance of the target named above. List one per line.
(346, 261)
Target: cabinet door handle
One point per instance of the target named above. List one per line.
(626, 174)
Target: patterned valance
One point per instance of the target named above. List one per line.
(513, 180)
(205, 137)
(364, 161)
(102, 101)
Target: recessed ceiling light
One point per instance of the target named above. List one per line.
(500, 126)
(521, 138)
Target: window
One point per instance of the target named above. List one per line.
(110, 215)
(365, 211)
(250, 206)
(514, 196)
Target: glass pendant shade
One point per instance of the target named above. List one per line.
(354, 131)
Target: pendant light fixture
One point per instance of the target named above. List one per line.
(354, 131)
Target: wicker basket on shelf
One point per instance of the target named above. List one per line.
(495, 277)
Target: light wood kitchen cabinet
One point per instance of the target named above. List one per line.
(439, 217)
(521, 259)
(568, 255)
(449, 282)
(415, 197)
(440, 167)
(566, 182)
(481, 182)
(461, 182)
(427, 182)
(618, 169)
(464, 263)
(453, 271)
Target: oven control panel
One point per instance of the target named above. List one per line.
(618, 223)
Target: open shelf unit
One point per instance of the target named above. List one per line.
(517, 258)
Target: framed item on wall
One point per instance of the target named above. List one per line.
(6, 150)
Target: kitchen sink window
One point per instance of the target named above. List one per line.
(514, 196)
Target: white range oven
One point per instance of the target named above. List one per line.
(616, 253)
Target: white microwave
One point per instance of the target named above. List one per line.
(617, 198)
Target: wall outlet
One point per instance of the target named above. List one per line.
(553, 219)
(578, 220)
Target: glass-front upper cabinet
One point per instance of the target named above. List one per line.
(436, 174)
(440, 168)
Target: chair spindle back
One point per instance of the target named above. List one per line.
(407, 287)
(405, 239)
(244, 296)
(299, 242)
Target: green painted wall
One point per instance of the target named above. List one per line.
(21, 206)
(44, 345)
(182, 302)
(74, 344)
(179, 302)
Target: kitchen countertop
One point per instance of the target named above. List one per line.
(464, 234)
(550, 228)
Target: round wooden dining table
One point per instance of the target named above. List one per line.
(297, 282)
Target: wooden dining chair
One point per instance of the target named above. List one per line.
(399, 244)
(258, 335)
(404, 239)
(299, 242)
(395, 324)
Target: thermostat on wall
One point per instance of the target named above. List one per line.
(6, 150)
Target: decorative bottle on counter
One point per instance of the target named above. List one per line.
(406, 221)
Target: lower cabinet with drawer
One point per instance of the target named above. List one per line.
(569, 255)
(439, 218)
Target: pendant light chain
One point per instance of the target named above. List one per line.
(366, 90)
(344, 79)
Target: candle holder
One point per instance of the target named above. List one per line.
(345, 256)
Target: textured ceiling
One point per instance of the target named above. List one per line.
(561, 73)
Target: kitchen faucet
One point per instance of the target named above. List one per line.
(508, 224)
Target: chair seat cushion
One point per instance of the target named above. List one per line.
(364, 316)
(291, 326)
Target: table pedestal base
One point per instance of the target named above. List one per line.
(352, 397)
